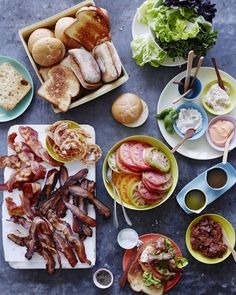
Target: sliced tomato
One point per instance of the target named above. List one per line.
(117, 177)
(125, 155)
(123, 187)
(165, 187)
(157, 159)
(149, 196)
(137, 156)
(122, 167)
(136, 199)
(149, 186)
(155, 178)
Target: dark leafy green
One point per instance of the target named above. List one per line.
(204, 41)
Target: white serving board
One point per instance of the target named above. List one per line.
(15, 254)
(198, 149)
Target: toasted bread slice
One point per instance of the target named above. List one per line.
(44, 71)
(91, 28)
(13, 86)
(60, 88)
(135, 279)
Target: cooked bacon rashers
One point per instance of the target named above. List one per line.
(48, 234)
(12, 161)
(22, 150)
(27, 174)
(31, 137)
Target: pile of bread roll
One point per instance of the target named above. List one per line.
(77, 56)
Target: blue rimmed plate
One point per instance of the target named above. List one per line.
(25, 102)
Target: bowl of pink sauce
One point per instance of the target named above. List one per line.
(218, 131)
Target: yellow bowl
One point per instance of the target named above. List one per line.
(73, 125)
(155, 143)
(232, 96)
(228, 228)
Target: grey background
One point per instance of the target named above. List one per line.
(147, 82)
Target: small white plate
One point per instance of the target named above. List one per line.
(198, 149)
(139, 29)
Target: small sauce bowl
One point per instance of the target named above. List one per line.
(127, 238)
(225, 110)
(194, 93)
(103, 278)
(217, 178)
(200, 132)
(232, 144)
(195, 200)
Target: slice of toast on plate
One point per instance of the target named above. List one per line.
(91, 28)
(60, 87)
(13, 86)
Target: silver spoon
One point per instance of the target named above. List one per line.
(116, 193)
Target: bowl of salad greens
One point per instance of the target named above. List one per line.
(164, 31)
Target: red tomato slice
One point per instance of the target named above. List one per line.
(136, 154)
(156, 178)
(125, 155)
(122, 167)
(148, 196)
(149, 186)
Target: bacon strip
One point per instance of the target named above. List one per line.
(21, 220)
(65, 248)
(31, 137)
(27, 174)
(29, 197)
(102, 209)
(12, 161)
(22, 150)
(81, 215)
(65, 228)
(12, 208)
(50, 183)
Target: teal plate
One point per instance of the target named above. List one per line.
(25, 102)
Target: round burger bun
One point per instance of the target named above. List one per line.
(142, 119)
(61, 25)
(48, 51)
(127, 108)
(38, 34)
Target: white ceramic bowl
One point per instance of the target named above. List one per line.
(213, 121)
(100, 286)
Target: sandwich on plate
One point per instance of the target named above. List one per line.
(157, 266)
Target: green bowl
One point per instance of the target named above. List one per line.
(232, 96)
(155, 143)
(228, 228)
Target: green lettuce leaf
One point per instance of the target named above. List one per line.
(173, 24)
(145, 50)
(143, 9)
(149, 280)
(181, 262)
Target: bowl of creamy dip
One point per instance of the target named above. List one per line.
(219, 129)
(218, 101)
(190, 116)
